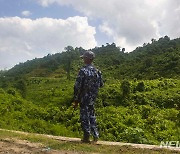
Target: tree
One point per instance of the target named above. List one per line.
(22, 86)
(140, 87)
(123, 50)
(69, 49)
(148, 62)
(126, 87)
(153, 40)
(68, 60)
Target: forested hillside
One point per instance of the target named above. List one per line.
(159, 59)
(139, 103)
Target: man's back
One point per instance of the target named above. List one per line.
(88, 82)
(85, 92)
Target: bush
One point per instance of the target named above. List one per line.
(11, 91)
(126, 87)
(134, 135)
(140, 87)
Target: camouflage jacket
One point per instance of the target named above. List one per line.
(87, 84)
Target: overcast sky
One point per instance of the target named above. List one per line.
(34, 28)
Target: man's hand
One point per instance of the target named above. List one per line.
(75, 104)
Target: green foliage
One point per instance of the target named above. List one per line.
(126, 87)
(11, 91)
(21, 86)
(159, 59)
(140, 87)
(17, 113)
(139, 103)
(147, 116)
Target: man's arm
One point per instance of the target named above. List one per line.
(78, 87)
(101, 82)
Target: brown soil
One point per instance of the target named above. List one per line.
(17, 146)
(14, 146)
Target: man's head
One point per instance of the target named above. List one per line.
(88, 57)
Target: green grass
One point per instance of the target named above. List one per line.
(77, 146)
(148, 116)
(45, 91)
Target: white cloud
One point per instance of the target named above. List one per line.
(26, 13)
(46, 3)
(106, 29)
(22, 39)
(130, 22)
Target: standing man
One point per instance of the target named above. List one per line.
(86, 88)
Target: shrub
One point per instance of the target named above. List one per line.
(126, 87)
(11, 92)
(140, 87)
(134, 135)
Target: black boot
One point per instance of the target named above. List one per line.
(86, 138)
(95, 139)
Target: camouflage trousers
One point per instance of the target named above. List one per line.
(88, 120)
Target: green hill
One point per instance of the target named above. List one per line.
(139, 103)
(159, 59)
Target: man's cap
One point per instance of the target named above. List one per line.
(88, 54)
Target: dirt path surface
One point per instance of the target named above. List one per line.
(14, 146)
(11, 145)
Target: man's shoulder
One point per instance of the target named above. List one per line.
(87, 68)
(83, 69)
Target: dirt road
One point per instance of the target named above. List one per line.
(18, 146)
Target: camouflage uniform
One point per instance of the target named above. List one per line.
(85, 91)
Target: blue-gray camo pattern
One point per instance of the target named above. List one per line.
(86, 88)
